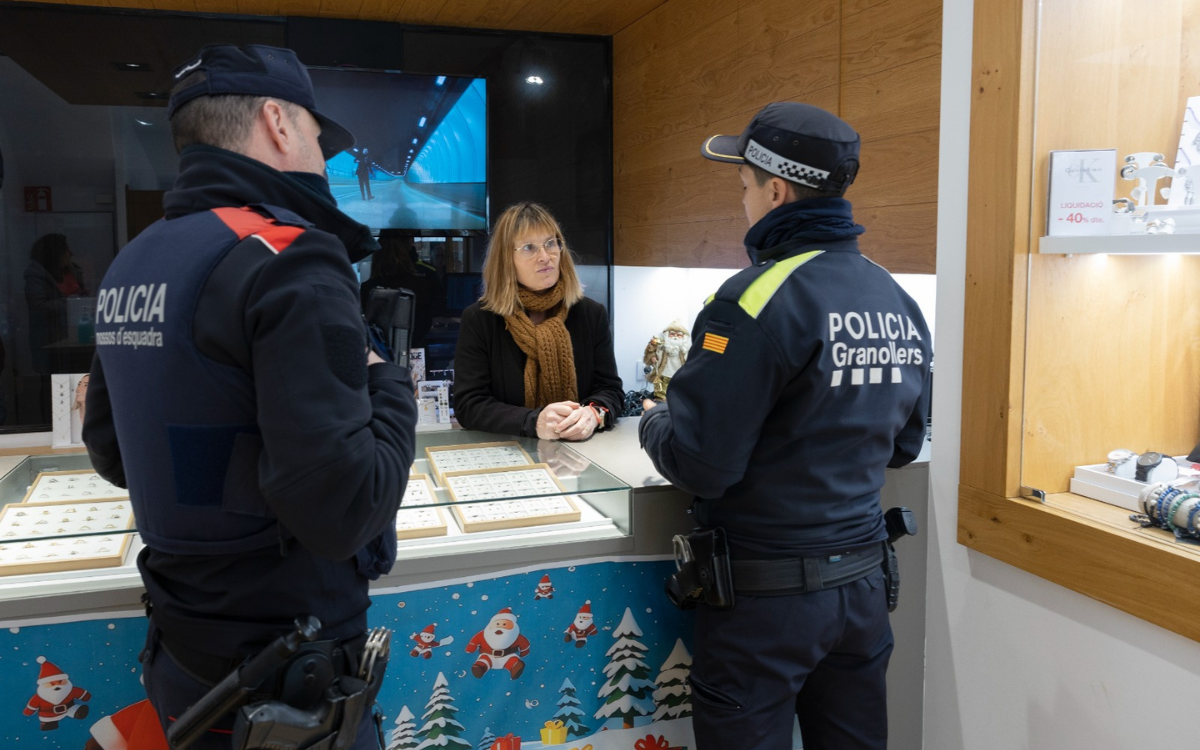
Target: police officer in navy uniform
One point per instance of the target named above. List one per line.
(265, 451)
(808, 376)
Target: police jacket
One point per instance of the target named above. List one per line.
(230, 393)
(808, 376)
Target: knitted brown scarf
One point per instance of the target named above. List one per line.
(550, 363)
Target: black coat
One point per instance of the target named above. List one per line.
(489, 370)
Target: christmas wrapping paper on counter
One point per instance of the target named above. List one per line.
(603, 661)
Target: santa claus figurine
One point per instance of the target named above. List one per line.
(664, 355)
(55, 697)
(545, 589)
(582, 627)
(426, 642)
(500, 646)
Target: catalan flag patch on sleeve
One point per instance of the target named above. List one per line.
(715, 343)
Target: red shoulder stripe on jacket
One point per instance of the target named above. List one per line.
(246, 223)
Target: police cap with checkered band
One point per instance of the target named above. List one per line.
(255, 70)
(798, 142)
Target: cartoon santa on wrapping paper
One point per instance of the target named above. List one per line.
(582, 627)
(500, 646)
(545, 589)
(56, 697)
(426, 642)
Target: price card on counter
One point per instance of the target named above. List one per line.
(1081, 192)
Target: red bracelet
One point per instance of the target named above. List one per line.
(601, 413)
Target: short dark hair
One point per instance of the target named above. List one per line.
(795, 190)
(48, 250)
(223, 121)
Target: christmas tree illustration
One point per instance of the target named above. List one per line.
(487, 740)
(404, 736)
(628, 692)
(441, 730)
(569, 712)
(674, 694)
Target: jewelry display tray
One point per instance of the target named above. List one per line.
(1094, 481)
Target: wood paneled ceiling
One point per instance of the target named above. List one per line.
(605, 17)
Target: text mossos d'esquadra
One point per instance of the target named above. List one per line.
(134, 310)
(866, 341)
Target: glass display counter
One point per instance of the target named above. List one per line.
(68, 539)
(472, 491)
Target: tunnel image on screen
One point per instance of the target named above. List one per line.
(420, 155)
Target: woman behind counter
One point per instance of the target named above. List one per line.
(534, 356)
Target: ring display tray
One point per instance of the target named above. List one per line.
(414, 521)
(475, 457)
(514, 482)
(59, 486)
(37, 537)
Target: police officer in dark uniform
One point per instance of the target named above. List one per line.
(232, 392)
(808, 376)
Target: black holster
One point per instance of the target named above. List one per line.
(331, 725)
(899, 522)
(296, 694)
(702, 570)
(891, 576)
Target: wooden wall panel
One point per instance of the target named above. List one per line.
(854, 6)
(898, 237)
(667, 25)
(688, 70)
(897, 171)
(693, 244)
(702, 51)
(892, 33)
(726, 84)
(764, 24)
(677, 157)
(895, 102)
(494, 14)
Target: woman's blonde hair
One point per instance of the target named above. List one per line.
(499, 267)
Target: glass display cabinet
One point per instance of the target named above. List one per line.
(1077, 346)
(68, 539)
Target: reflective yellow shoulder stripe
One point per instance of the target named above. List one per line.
(711, 297)
(762, 289)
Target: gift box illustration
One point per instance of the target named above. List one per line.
(507, 742)
(650, 742)
(554, 733)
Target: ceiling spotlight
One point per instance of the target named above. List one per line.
(127, 67)
(414, 141)
(440, 80)
(410, 151)
(143, 122)
(153, 95)
(421, 124)
(535, 80)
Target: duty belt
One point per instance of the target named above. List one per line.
(802, 575)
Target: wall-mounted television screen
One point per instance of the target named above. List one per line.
(419, 160)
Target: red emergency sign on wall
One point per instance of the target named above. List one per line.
(37, 198)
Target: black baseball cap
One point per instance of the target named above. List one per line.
(798, 142)
(256, 70)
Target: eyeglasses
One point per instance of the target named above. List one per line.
(552, 247)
